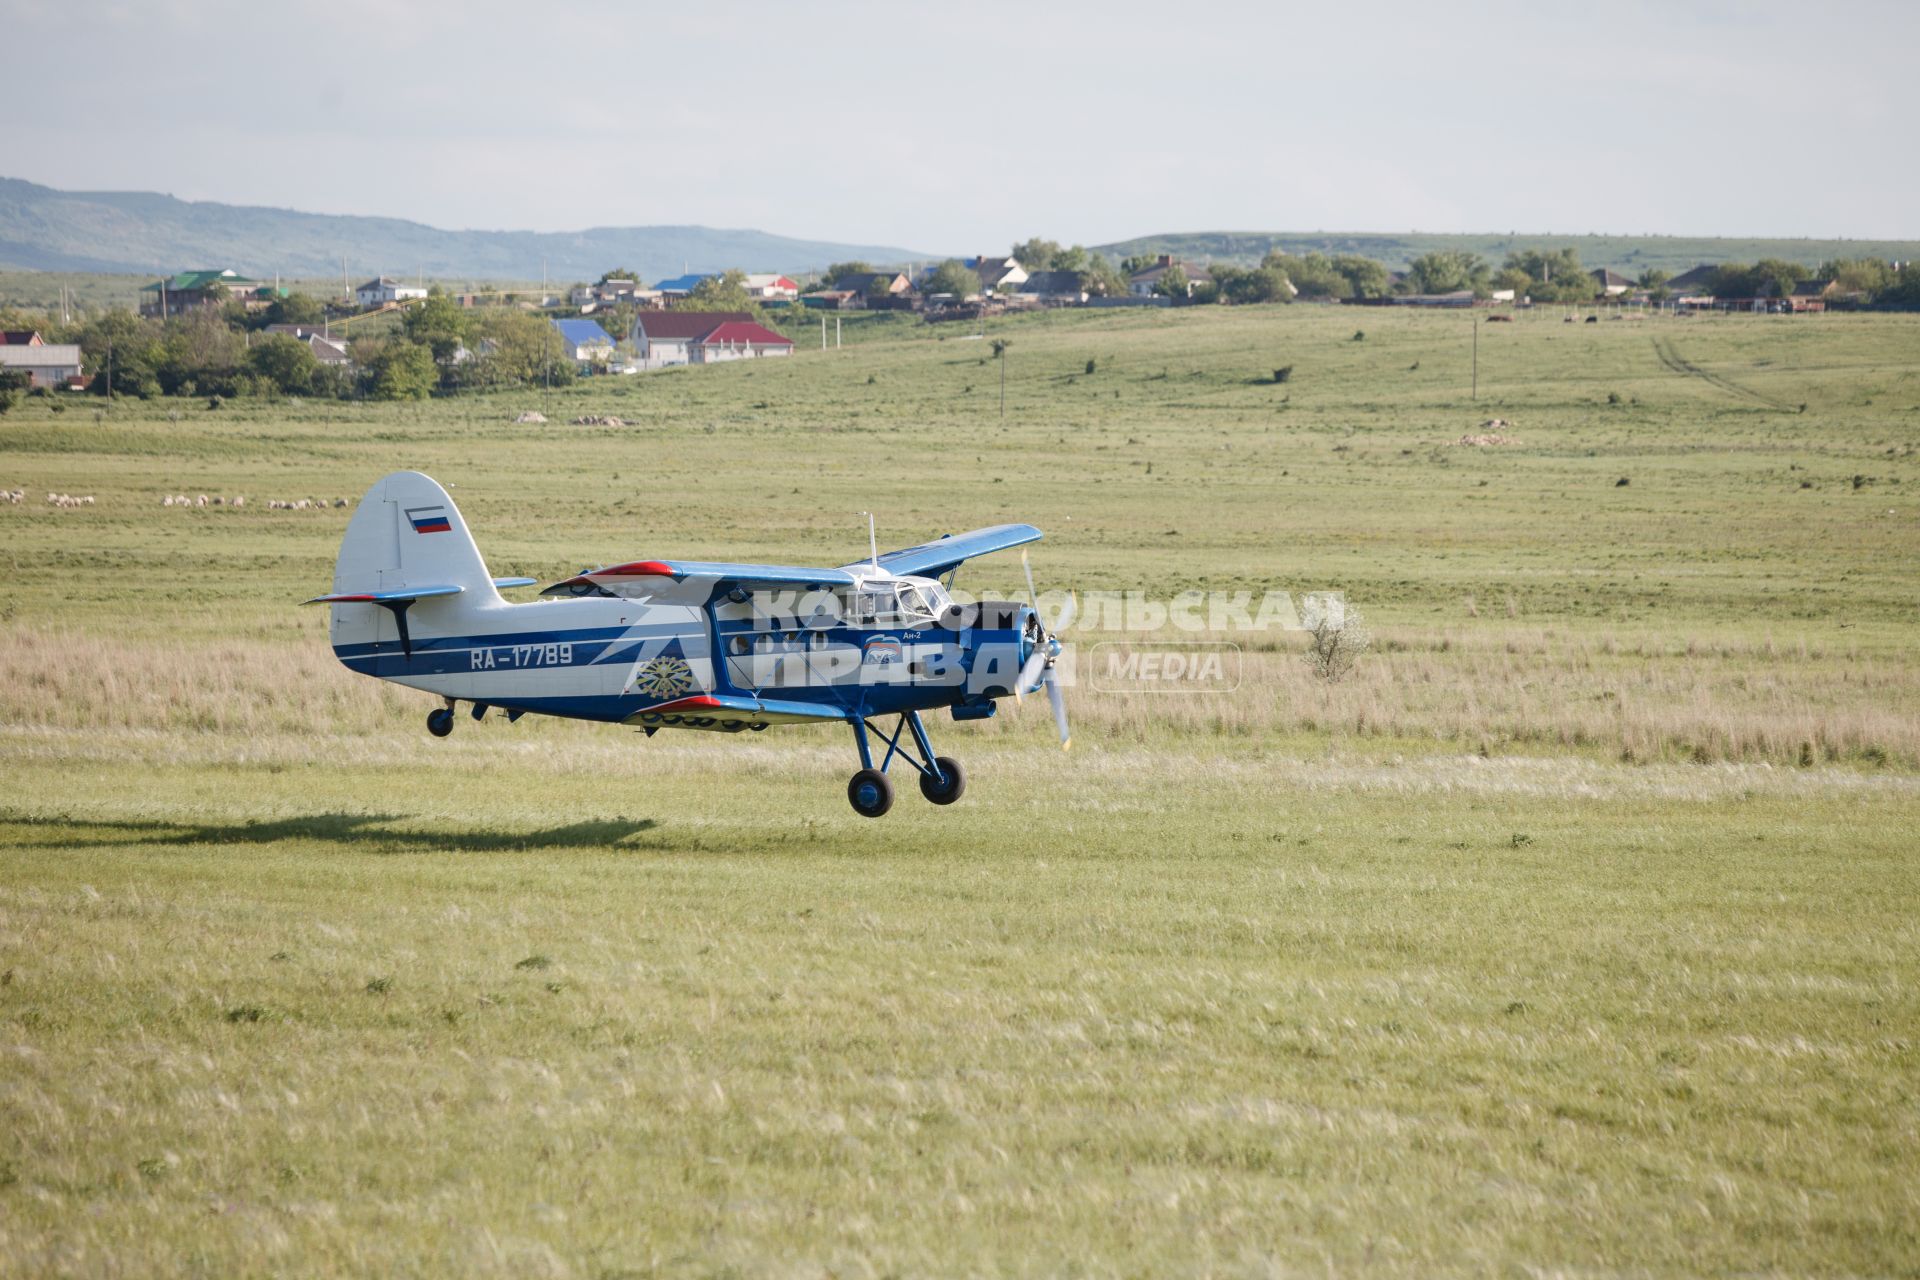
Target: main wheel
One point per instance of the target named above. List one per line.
(440, 723)
(952, 784)
(870, 793)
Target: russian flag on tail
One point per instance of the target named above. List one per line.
(429, 519)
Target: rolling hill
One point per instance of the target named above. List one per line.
(42, 229)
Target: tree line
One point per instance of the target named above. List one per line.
(223, 350)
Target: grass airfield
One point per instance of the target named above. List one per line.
(1574, 933)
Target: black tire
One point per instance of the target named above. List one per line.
(440, 723)
(952, 784)
(870, 793)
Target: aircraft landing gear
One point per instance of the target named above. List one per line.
(440, 722)
(871, 792)
(949, 786)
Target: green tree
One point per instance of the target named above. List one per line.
(1902, 290)
(1312, 275)
(1365, 277)
(515, 349)
(284, 362)
(1515, 279)
(837, 271)
(12, 383)
(1102, 279)
(1556, 274)
(441, 325)
(1036, 254)
(727, 292)
(1172, 283)
(955, 277)
(295, 308)
(1654, 281)
(404, 371)
(1777, 277)
(1448, 271)
(1858, 275)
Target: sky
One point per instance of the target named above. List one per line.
(959, 128)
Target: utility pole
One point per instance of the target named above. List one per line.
(836, 333)
(1476, 357)
(546, 362)
(1003, 384)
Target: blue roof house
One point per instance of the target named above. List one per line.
(681, 286)
(584, 341)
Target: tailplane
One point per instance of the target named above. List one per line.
(406, 543)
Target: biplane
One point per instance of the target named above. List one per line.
(686, 644)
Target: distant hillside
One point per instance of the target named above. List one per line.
(102, 231)
(1629, 255)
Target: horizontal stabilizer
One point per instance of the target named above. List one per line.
(385, 597)
(514, 582)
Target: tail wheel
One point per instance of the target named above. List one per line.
(440, 723)
(950, 786)
(870, 793)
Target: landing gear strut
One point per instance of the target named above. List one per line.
(871, 792)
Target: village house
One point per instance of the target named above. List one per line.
(681, 286)
(763, 285)
(584, 341)
(1609, 283)
(1146, 283)
(380, 292)
(327, 350)
(739, 340)
(1055, 288)
(868, 284)
(1003, 275)
(664, 338)
(186, 290)
(46, 364)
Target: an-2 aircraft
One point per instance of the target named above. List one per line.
(676, 644)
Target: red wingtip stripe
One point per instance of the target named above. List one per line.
(637, 569)
(698, 702)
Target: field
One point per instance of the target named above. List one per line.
(1573, 933)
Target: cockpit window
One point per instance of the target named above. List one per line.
(895, 604)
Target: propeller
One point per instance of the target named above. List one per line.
(1059, 701)
(1039, 667)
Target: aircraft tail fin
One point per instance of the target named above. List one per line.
(408, 568)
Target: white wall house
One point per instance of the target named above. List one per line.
(378, 293)
(761, 285)
(47, 364)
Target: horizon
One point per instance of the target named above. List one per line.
(1696, 121)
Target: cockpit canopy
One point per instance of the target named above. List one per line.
(898, 602)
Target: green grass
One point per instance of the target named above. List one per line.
(1573, 933)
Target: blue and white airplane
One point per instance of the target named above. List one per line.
(677, 644)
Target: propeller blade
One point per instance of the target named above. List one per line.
(1032, 673)
(1033, 597)
(1068, 612)
(1059, 701)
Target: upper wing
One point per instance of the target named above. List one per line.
(622, 579)
(931, 559)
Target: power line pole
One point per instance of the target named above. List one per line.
(1476, 357)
